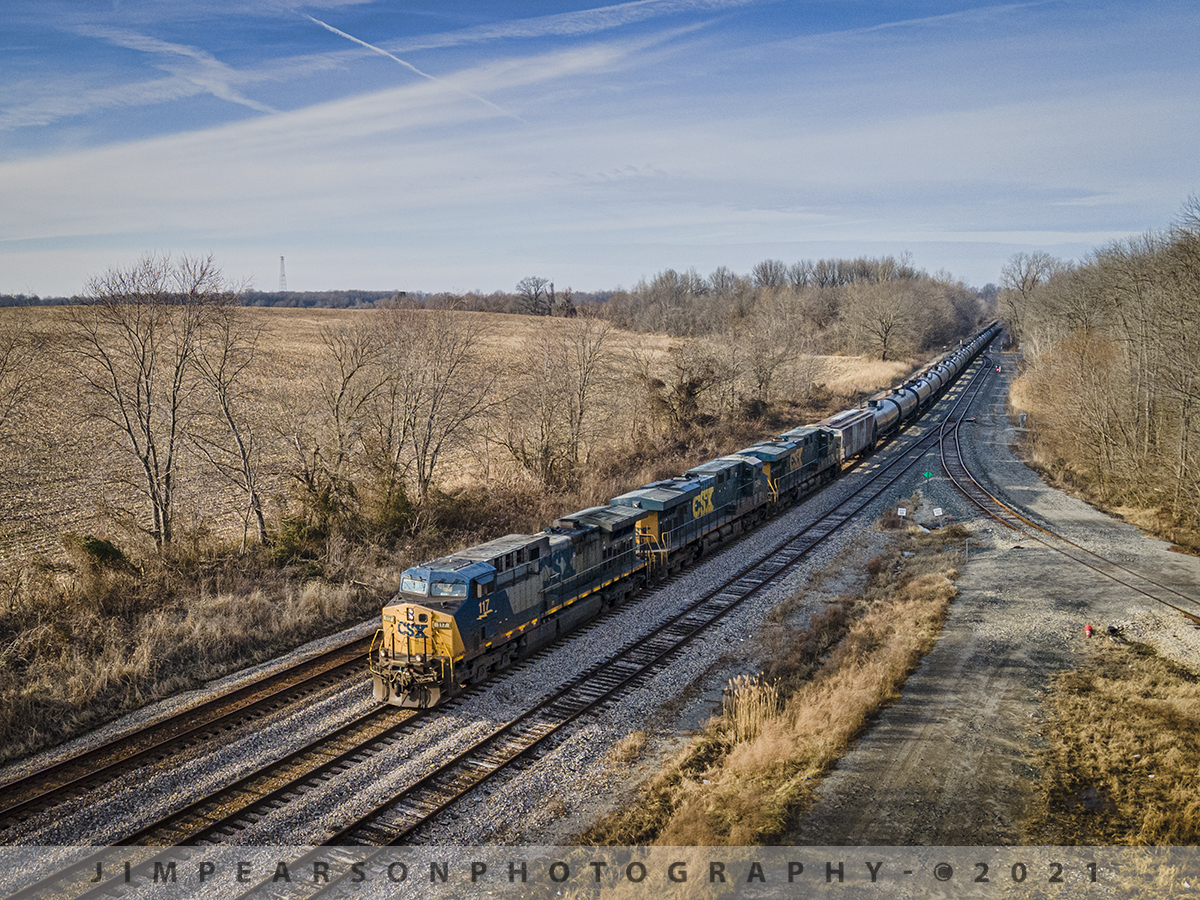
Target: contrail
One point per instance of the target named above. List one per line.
(409, 65)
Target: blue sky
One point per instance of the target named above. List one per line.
(445, 145)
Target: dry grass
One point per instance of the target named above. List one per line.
(81, 644)
(65, 666)
(753, 769)
(628, 748)
(851, 375)
(1122, 757)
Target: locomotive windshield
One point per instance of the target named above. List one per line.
(411, 585)
(448, 589)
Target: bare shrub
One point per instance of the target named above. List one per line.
(628, 748)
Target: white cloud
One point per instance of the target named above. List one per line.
(573, 24)
(191, 64)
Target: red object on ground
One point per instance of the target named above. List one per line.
(1087, 630)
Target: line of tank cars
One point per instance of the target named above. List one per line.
(457, 619)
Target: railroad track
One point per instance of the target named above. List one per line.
(232, 809)
(405, 812)
(42, 790)
(401, 815)
(955, 466)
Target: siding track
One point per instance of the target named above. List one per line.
(955, 466)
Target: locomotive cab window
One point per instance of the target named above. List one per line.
(447, 589)
(414, 585)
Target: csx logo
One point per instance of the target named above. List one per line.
(702, 505)
(409, 629)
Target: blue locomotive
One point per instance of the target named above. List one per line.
(458, 619)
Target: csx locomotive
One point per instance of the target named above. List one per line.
(457, 619)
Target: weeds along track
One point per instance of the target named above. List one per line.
(223, 814)
(53, 785)
(957, 470)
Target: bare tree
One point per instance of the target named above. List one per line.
(546, 417)
(535, 295)
(724, 281)
(771, 273)
(20, 352)
(327, 438)
(532, 427)
(434, 384)
(882, 317)
(1019, 279)
(776, 330)
(133, 341)
(226, 352)
(801, 274)
(691, 372)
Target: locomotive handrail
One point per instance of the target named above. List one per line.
(378, 638)
(619, 566)
(699, 527)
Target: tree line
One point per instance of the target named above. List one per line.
(170, 367)
(1111, 369)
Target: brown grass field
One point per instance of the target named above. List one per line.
(81, 643)
(1122, 753)
(61, 474)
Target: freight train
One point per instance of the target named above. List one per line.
(457, 619)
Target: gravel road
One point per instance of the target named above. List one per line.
(950, 762)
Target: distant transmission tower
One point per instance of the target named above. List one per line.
(282, 276)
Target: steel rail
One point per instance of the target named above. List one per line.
(233, 807)
(406, 811)
(41, 790)
(955, 466)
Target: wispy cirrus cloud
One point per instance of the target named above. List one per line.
(191, 64)
(572, 24)
(65, 96)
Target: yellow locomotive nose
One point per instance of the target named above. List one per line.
(414, 654)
